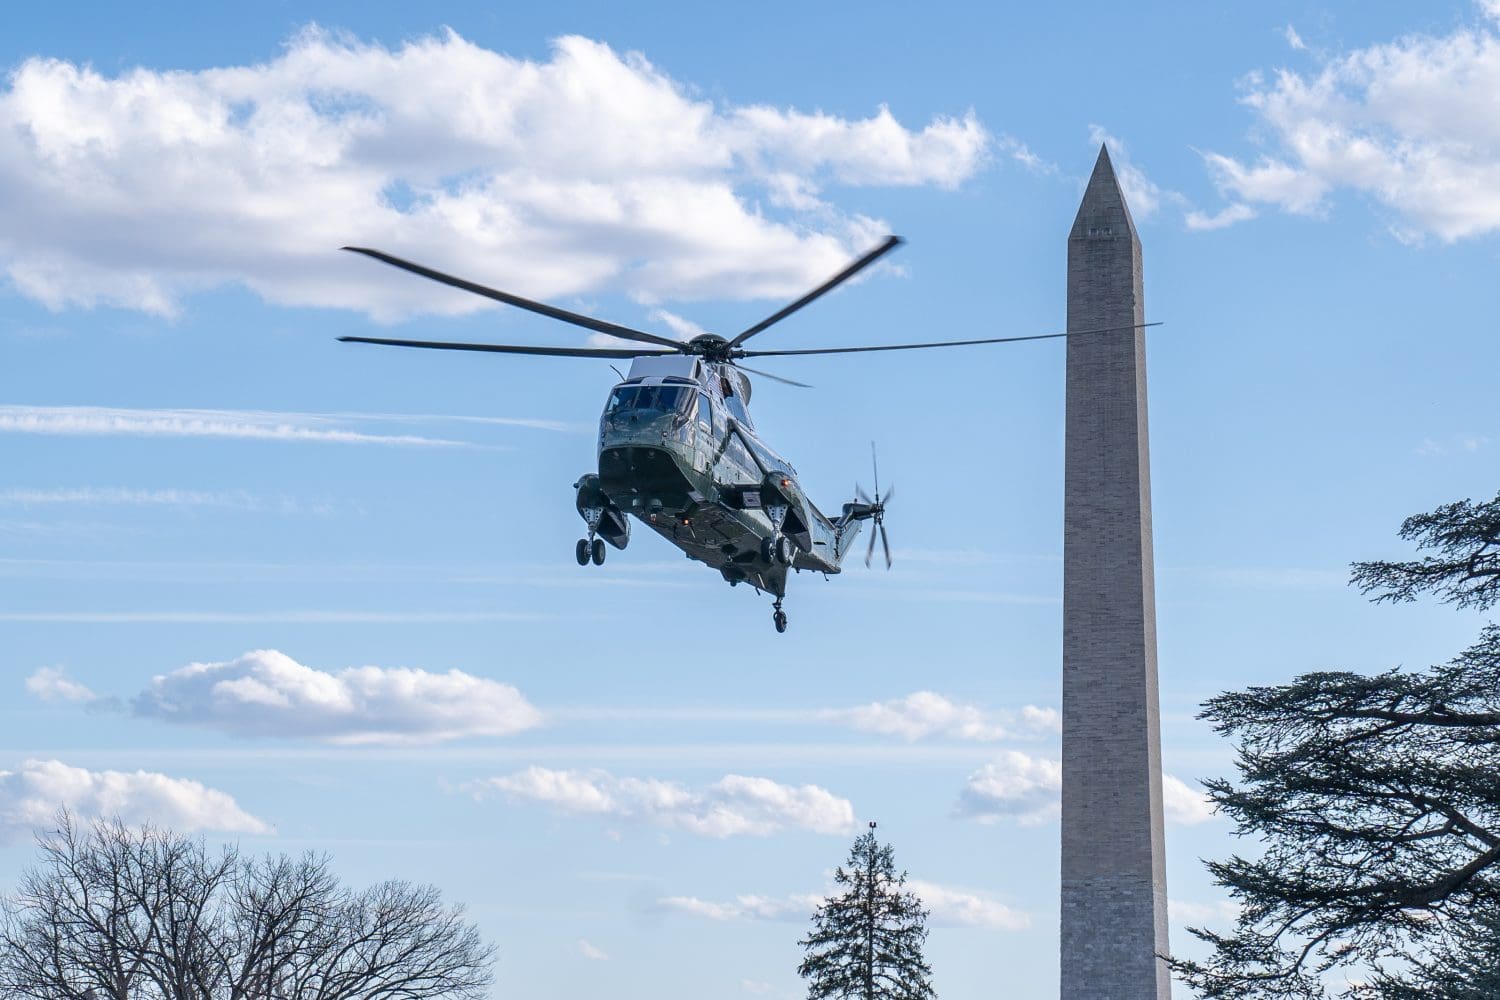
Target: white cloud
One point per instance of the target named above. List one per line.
(31, 796)
(1015, 786)
(95, 496)
(251, 424)
(926, 713)
(1142, 194)
(1028, 789)
(590, 952)
(1459, 444)
(51, 684)
(1227, 216)
(952, 907)
(948, 906)
(1411, 123)
(1183, 804)
(267, 693)
(1294, 40)
(588, 172)
(733, 805)
(1186, 911)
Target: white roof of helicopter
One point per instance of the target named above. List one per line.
(653, 369)
(681, 365)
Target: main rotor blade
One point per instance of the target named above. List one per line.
(940, 343)
(891, 243)
(577, 319)
(773, 378)
(546, 352)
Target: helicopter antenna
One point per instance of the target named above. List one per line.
(619, 373)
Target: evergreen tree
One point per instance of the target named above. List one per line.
(866, 943)
(1376, 800)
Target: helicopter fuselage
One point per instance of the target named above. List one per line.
(678, 452)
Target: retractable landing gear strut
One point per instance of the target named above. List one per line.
(592, 547)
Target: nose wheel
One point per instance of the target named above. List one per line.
(778, 616)
(590, 550)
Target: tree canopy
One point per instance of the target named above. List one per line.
(118, 913)
(866, 942)
(1377, 802)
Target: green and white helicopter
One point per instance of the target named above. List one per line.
(679, 452)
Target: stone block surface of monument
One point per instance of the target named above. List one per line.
(1114, 907)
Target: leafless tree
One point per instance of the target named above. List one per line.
(120, 913)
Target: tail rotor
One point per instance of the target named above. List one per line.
(876, 511)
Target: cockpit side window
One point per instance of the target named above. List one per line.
(705, 412)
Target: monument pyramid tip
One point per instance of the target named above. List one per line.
(1103, 195)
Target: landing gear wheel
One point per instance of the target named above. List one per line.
(768, 550)
(583, 551)
(778, 616)
(598, 552)
(785, 551)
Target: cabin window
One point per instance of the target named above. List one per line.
(705, 412)
(737, 410)
(649, 400)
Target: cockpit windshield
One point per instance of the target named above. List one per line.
(650, 400)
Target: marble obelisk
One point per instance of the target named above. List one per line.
(1114, 898)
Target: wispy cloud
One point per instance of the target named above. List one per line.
(590, 952)
(734, 805)
(114, 496)
(925, 714)
(268, 617)
(948, 907)
(31, 795)
(1293, 39)
(1456, 444)
(246, 424)
(53, 684)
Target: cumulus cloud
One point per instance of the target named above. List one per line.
(1412, 123)
(1028, 790)
(1183, 804)
(31, 796)
(590, 171)
(1014, 786)
(733, 805)
(925, 713)
(267, 693)
(948, 907)
(52, 684)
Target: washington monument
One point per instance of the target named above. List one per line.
(1114, 890)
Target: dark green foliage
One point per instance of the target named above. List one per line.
(1465, 570)
(1377, 801)
(866, 943)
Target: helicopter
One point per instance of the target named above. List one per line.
(678, 450)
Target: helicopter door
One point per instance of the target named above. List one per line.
(703, 448)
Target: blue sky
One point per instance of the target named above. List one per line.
(632, 781)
